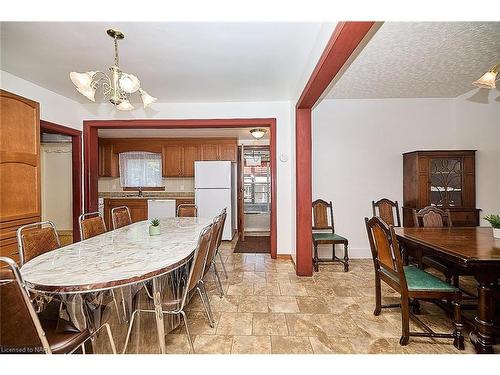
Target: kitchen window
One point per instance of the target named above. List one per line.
(140, 169)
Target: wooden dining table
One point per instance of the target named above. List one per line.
(121, 258)
(471, 251)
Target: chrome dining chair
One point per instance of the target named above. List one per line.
(219, 240)
(187, 210)
(120, 217)
(21, 329)
(212, 251)
(194, 281)
(91, 224)
(36, 239)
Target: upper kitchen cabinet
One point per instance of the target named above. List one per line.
(445, 179)
(191, 153)
(220, 150)
(209, 151)
(228, 151)
(19, 167)
(108, 159)
(172, 160)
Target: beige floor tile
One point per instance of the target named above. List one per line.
(269, 324)
(213, 344)
(314, 305)
(304, 325)
(253, 304)
(292, 289)
(283, 304)
(228, 303)
(290, 345)
(235, 324)
(331, 345)
(251, 345)
(241, 289)
(266, 289)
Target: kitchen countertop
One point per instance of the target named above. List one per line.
(147, 195)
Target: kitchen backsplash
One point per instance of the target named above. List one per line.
(172, 184)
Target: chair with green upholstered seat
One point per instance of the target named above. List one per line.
(410, 282)
(323, 232)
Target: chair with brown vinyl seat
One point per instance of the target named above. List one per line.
(223, 214)
(120, 217)
(410, 282)
(194, 281)
(323, 232)
(212, 251)
(22, 331)
(386, 208)
(36, 239)
(91, 225)
(187, 210)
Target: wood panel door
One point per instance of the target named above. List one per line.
(228, 151)
(172, 160)
(19, 166)
(108, 161)
(209, 151)
(190, 155)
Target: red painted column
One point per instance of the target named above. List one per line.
(303, 197)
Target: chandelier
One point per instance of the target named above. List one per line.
(117, 87)
(487, 80)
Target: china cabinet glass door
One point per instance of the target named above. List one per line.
(446, 182)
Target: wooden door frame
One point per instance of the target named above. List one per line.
(91, 154)
(76, 163)
(346, 37)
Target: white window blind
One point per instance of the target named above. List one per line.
(140, 169)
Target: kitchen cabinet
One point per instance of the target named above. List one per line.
(219, 151)
(209, 151)
(108, 160)
(445, 179)
(19, 168)
(138, 209)
(191, 153)
(172, 160)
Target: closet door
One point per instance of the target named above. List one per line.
(19, 167)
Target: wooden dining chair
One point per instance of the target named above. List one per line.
(386, 209)
(194, 281)
(120, 217)
(187, 210)
(410, 282)
(36, 239)
(323, 232)
(91, 224)
(23, 331)
(210, 265)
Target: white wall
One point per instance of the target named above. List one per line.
(56, 179)
(357, 147)
(53, 107)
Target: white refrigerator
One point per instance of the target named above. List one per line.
(215, 189)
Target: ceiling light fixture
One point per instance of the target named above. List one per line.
(258, 133)
(117, 87)
(487, 81)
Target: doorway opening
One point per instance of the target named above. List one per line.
(254, 167)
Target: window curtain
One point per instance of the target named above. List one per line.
(140, 169)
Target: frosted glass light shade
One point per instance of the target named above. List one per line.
(89, 93)
(258, 133)
(125, 106)
(129, 83)
(487, 81)
(146, 98)
(82, 81)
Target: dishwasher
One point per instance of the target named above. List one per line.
(161, 208)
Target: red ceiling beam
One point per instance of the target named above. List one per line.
(344, 40)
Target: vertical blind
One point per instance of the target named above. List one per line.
(140, 169)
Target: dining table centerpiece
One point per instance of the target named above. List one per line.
(494, 220)
(154, 227)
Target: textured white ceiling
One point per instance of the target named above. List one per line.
(176, 62)
(421, 60)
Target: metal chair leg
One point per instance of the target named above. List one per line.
(116, 306)
(204, 290)
(129, 331)
(223, 265)
(125, 317)
(187, 331)
(215, 273)
(205, 306)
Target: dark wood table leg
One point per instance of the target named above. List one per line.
(482, 337)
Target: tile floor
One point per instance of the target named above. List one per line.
(268, 309)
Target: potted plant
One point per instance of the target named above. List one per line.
(494, 220)
(154, 227)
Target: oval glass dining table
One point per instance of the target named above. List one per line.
(123, 257)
